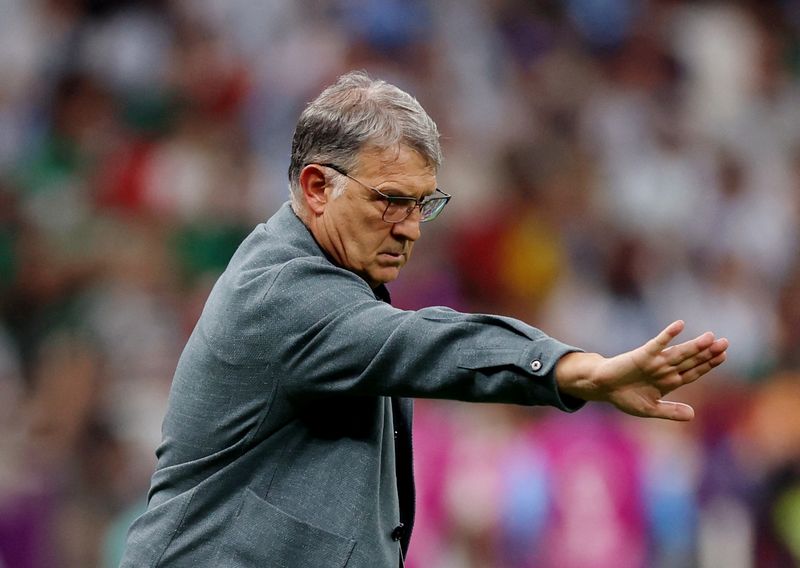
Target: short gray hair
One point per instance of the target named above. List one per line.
(354, 113)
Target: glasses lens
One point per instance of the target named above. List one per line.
(431, 209)
(398, 209)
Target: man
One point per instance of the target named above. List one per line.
(287, 441)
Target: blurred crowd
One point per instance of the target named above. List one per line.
(615, 165)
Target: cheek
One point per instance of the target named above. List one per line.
(367, 240)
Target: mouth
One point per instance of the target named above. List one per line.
(392, 256)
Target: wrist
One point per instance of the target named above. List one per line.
(575, 375)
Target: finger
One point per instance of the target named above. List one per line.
(649, 404)
(717, 347)
(660, 341)
(663, 409)
(677, 354)
(695, 373)
(669, 410)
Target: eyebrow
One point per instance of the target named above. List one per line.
(390, 192)
(421, 199)
(384, 192)
(393, 188)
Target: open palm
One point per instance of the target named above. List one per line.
(636, 381)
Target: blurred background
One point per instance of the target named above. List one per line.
(616, 165)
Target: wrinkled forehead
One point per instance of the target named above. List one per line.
(393, 160)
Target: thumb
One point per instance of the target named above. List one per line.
(670, 410)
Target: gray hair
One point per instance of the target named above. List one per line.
(355, 113)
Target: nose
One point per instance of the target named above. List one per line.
(408, 228)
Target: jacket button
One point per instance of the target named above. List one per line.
(397, 533)
(536, 365)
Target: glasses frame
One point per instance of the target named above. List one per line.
(404, 202)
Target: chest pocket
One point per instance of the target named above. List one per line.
(264, 535)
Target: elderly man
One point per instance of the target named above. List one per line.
(287, 441)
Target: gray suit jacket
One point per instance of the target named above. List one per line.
(287, 441)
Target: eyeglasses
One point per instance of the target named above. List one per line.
(398, 207)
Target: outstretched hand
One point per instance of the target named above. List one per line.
(636, 381)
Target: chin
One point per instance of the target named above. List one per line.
(385, 277)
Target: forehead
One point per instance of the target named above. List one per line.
(397, 161)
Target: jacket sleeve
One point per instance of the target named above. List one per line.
(325, 334)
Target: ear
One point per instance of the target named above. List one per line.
(313, 184)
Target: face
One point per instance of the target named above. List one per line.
(350, 227)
